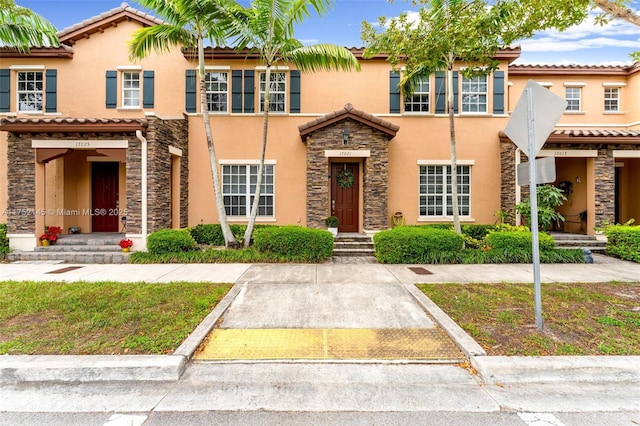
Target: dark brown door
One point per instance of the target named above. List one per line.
(345, 196)
(104, 197)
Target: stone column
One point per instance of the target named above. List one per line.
(605, 183)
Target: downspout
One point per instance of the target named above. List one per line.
(518, 189)
(144, 150)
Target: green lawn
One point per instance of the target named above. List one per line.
(580, 319)
(102, 318)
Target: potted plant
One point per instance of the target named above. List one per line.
(50, 235)
(125, 245)
(332, 223)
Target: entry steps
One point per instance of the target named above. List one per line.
(573, 241)
(353, 245)
(79, 248)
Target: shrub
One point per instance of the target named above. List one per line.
(477, 232)
(170, 241)
(549, 197)
(4, 240)
(423, 244)
(294, 241)
(518, 241)
(624, 242)
(208, 233)
(332, 222)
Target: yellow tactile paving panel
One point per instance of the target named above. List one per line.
(329, 344)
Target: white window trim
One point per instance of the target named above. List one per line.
(226, 70)
(545, 83)
(445, 218)
(33, 68)
(461, 95)
(252, 163)
(122, 88)
(615, 84)
(618, 99)
(26, 67)
(574, 111)
(129, 68)
(273, 68)
(286, 97)
(216, 68)
(429, 103)
(574, 84)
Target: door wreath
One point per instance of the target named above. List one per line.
(345, 178)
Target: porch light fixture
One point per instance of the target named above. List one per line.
(345, 137)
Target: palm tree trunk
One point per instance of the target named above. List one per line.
(454, 157)
(263, 150)
(229, 238)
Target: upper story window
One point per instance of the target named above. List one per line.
(131, 90)
(277, 91)
(612, 99)
(474, 94)
(217, 85)
(30, 89)
(419, 100)
(572, 96)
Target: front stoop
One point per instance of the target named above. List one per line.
(83, 248)
(579, 241)
(353, 245)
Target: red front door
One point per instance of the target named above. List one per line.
(345, 195)
(104, 197)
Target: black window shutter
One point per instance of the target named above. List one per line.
(5, 89)
(112, 89)
(51, 88)
(394, 92)
(236, 91)
(498, 92)
(190, 90)
(441, 92)
(249, 90)
(455, 92)
(147, 89)
(294, 95)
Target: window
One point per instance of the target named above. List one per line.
(277, 91)
(572, 95)
(30, 91)
(474, 94)
(131, 89)
(419, 100)
(612, 99)
(217, 84)
(239, 185)
(435, 190)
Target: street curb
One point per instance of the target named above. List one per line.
(553, 369)
(465, 342)
(92, 368)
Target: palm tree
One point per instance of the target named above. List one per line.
(188, 23)
(21, 29)
(267, 27)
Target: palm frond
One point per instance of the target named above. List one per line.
(322, 57)
(22, 29)
(159, 38)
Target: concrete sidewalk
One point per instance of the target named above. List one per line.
(307, 281)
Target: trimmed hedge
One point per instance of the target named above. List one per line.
(211, 233)
(170, 241)
(294, 241)
(518, 241)
(4, 240)
(624, 242)
(408, 244)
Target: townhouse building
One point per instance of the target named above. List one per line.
(91, 139)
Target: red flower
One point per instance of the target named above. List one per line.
(125, 243)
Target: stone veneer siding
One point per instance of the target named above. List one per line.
(604, 177)
(21, 178)
(162, 133)
(375, 172)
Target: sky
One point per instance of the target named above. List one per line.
(586, 44)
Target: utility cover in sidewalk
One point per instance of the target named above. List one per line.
(330, 344)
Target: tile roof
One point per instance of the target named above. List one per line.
(573, 69)
(590, 136)
(48, 125)
(348, 112)
(104, 20)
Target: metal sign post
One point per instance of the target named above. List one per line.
(529, 126)
(533, 197)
